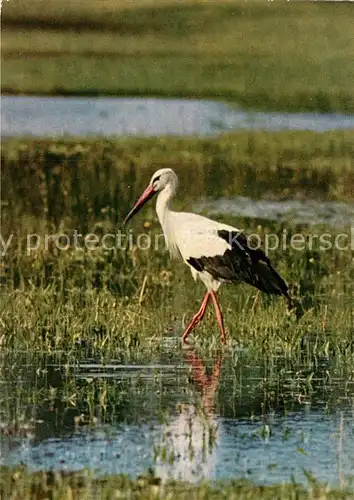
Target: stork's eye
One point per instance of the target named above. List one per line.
(155, 181)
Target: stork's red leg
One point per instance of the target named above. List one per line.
(197, 317)
(219, 316)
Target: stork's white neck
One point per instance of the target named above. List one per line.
(163, 203)
(163, 212)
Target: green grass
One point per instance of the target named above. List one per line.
(259, 55)
(105, 301)
(70, 183)
(20, 484)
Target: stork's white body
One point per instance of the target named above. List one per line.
(192, 235)
(208, 248)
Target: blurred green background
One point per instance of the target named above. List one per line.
(264, 55)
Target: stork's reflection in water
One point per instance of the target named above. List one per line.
(190, 439)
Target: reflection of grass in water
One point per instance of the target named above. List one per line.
(48, 400)
(262, 56)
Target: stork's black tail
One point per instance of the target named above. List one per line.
(266, 279)
(240, 263)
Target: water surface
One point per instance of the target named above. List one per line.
(312, 212)
(60, 116)
(183, 416)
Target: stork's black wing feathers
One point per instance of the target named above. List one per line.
(242, 263)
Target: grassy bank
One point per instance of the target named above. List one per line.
(259, 55)
(20, 484)
(100, 301)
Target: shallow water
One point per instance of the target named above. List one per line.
(312, 212)
(60, 116)
(185, 417)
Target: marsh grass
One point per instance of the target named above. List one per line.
(99, 302)
(72, 183)
(21, 484)
(90, 319)
(260, 55)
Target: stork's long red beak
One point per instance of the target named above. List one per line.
(147, 194)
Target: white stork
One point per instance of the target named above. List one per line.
(215, 252)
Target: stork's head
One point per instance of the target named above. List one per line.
(162, 178)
